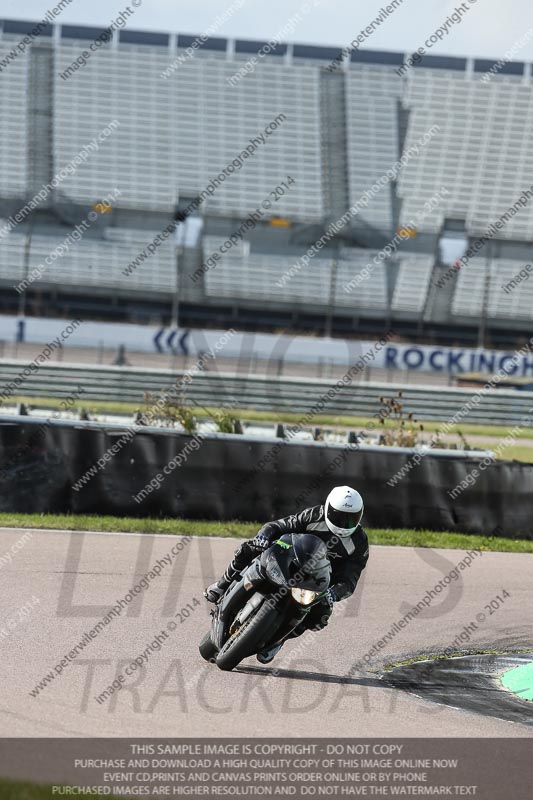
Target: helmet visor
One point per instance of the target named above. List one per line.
(343, 519)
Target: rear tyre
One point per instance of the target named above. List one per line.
(249, 638)
(207, 649)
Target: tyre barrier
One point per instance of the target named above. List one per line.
(57, 466)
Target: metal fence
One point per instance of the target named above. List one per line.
(214, 389)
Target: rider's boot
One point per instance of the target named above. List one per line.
(214, 592)
(266, 656)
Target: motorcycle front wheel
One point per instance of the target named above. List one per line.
(249, 638)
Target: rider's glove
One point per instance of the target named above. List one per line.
(331, 596)
(260, 542)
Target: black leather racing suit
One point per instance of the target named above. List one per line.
(348, 557)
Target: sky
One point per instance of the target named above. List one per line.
(488, 29)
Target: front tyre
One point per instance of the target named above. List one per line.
(207, 649)
(249, 638)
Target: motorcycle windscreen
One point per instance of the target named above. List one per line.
(299, 558)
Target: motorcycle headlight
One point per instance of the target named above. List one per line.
(303, 596)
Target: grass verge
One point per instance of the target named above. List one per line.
(517, 452)
(250, 414)
(244, 530)
(14, 790)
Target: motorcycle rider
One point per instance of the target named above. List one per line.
(337, 523)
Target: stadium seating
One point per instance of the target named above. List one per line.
(93, 263)
(163, 134)
(11, 258)
(371, 292)
(517, 301)
(482, 153)
(216, 120)
(472, 283)
(261, 277)
(373, 138)
(176, 134)
(412, 283)
(138, 157)
(13, 142)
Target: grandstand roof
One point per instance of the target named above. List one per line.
(244, 46)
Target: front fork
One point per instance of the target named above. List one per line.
(298, 614)
(247, 590)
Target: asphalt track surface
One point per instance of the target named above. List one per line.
(67, 581)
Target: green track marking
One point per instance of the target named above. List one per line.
(520, 681)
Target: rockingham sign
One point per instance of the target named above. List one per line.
(455, 360)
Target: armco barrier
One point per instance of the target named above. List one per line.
(238, 477)
(497, 407)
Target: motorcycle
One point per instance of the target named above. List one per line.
(272, 596)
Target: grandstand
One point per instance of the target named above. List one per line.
(491, 280)
(14, 142)
(92, 264)
(372, 95)
(163, 130)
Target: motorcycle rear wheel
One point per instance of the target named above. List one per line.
(249, 638)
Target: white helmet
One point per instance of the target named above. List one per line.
(343, 510)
